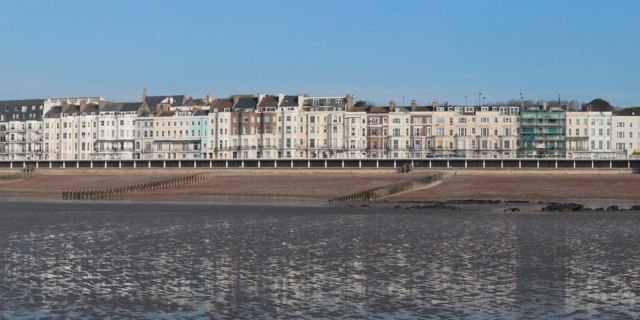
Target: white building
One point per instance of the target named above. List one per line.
(21, 129)
(626, 136)
(589, 135)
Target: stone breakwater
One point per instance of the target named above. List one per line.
(382, 192)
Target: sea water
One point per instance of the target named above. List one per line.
(135, 260)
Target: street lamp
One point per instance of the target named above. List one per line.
(521, 100)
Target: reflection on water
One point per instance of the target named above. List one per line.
(75, 260)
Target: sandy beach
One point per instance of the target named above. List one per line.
(588, 189)
(316, 187)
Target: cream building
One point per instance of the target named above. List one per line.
(116, 131)
(356, 134)
(399, 132)
(589, 135)
(626, 136)
(323, 127)
(475, 132)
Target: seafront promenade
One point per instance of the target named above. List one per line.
(448, 163)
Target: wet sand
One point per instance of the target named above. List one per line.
(588, 189)
(231, 187)
(300, 187)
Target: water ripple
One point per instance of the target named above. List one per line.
(148, 261)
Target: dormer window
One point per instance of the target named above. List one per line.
(316, 102)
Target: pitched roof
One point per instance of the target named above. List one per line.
(378, 109)
(71, 109)
(269, 101)
(130, 106)
(54, 112)
(424, 108)
(360, 109)
(165, 113)
(222, 103)
(89, 108)
(31, 109)
(20, 103)
(175, 100)
(289, 101)
(201, 112)
(109, 106)
(246, 103)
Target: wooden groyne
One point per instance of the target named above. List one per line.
(153, 185)
(16, 176)
(382, 192)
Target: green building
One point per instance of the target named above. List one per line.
(542, 132)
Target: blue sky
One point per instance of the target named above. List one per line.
(377, 50)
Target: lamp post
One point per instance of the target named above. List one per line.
(521, 100)
(558, 100)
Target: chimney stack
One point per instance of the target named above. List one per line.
(414, 105)
(392, 106)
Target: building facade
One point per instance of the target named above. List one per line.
(542, 132)
(304, 127)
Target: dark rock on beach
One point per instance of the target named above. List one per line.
(554, 206)
(435, 205)
(474, 201)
